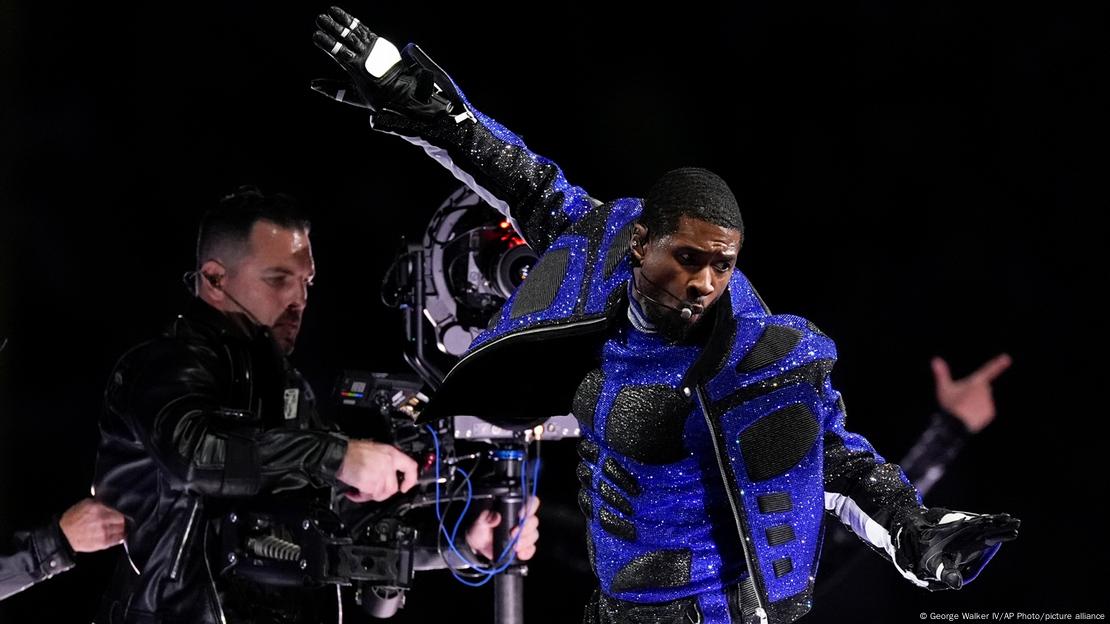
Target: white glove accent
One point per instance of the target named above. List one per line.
(954, 516)
(383, 55)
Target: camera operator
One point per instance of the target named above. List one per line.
(212, 413)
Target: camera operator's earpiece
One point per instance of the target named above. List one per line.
(216, 281)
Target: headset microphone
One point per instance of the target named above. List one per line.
(215, 280)
(686, 312)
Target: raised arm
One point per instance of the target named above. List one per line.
(410, 96)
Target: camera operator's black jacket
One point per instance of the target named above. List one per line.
(207, 415)
(33, 556)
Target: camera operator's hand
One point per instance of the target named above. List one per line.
(90, 526)
(480, 534)
(376, 471)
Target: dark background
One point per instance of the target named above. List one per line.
(916, 178)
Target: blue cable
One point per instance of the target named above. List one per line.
(451, 538)
(508, 554)
(454, 533)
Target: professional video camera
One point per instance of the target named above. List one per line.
(470, 262)
(450, 285)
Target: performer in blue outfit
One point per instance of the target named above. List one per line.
(713, 441)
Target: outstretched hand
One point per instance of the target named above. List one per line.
(381, 77)
(350, 43)
(943, 545)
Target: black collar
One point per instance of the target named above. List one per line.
(208, 319)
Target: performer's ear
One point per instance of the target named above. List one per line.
(636, 244)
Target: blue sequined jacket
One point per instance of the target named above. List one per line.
(761, 384)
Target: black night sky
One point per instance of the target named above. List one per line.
(916, 178)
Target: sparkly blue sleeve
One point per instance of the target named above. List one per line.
(529, 189)
(866, 493)
(853, 469)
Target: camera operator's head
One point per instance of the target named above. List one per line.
(254, 259)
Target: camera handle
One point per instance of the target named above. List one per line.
(508, 587)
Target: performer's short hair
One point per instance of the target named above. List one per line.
(692, 192)
(225, 230)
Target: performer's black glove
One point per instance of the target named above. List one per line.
(950, 547)
(382, 78)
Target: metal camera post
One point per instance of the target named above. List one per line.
(508, 587)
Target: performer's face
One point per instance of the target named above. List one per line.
(693, 263)
(271, 280)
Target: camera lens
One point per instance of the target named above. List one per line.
(513, 267)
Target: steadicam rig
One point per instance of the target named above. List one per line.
(470, 262)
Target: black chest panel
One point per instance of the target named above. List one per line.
(646, 424)
(586, 396)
